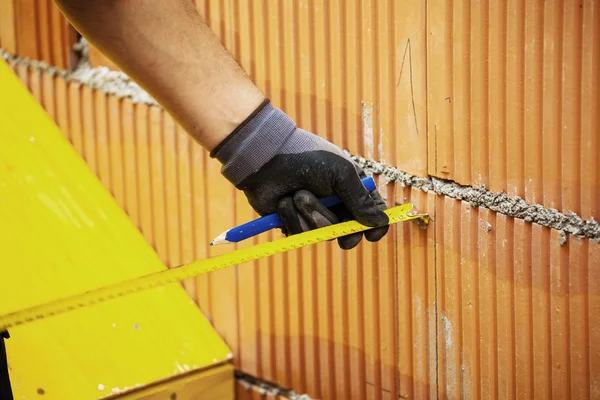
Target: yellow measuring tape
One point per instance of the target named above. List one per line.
(397, 214)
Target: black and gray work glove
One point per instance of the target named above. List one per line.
(284, 169)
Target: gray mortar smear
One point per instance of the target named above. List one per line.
(120, 85)
(499, 202)
(100, 78)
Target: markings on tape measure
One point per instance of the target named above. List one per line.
(397, 214)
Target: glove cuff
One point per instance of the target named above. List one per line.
(252, 144)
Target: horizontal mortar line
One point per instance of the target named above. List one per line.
(499, 202)
(119, 84)
(266, 388)
(101, 79)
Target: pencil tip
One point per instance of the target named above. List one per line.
(221, 239)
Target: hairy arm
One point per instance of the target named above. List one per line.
(165, 46)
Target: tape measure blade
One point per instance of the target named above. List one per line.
(103, 294)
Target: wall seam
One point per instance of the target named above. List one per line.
(118, 84)
(499, 202)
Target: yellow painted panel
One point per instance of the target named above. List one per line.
(62, 233)
(212, 384)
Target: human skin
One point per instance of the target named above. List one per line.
(167, 48)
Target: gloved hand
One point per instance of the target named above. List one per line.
(284, 169)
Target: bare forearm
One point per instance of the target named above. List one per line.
(165, 46)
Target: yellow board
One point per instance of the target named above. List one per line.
(61, 234)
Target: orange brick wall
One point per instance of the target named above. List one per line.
(37, 29)
(502, 302)
(339, 68)
(513, 98)
(479, 305)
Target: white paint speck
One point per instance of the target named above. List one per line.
(380, 146)
(383, 182)
(367, 119)
(450, 356)
(420, 335)
(100, 386)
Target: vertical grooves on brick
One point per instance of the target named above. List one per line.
(571, 108)
(553, 45)
(115, 148)
(142, 167)
(448, 145)
(63, 107)
(528, 75)
(590, 102)
(359, 145)
(387, 91)
(172, 191)
(352, 85)
(534, 99)
(43, 30)
(440, 297)
(594, 182)
(515, 96)
(522, 302)
(504, 294)
(542, 338)
(522, 98)
(497, 95)
(461, 99)
(75, 117)
(560, 337)
(578, 323)
(184, 182)
(470, 369)
(404, 306)
(157, 181)
(36, 29)
(572, 178)
(374, 258)
(593, 304)
(479, 37)
(129, 124)
(60, 49)
(345, 278)
(8, 25)
(455, 382)
(202, 222)
(48, 97)
(102, 141)
(332, 254)
(88, 134)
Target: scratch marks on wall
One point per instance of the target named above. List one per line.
(408, 51)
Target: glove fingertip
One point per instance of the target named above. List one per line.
(350, 241)
(373, 216)
(376, 234)
(289, 215)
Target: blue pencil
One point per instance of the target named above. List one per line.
(272, 221)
